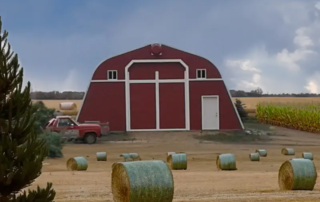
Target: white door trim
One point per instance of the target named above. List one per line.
(218, 107)
(157, 81)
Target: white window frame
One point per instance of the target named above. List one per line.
(116, 71)
(205, 73)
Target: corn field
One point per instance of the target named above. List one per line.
(305, 117)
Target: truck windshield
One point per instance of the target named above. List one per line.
(49, 123)
(75, 122)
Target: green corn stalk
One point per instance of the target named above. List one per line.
(305, 117)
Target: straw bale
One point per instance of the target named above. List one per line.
(297, 174)
(69, 112)
(177, 161)
(262, 152)
(254, 156)
(142, 181)
(287, 151)
(101, 156)
(307, 155)
(67, 106)
(131, 157)
(226, 162)
(77, 163)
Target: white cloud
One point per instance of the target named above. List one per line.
(313, 83)
(318, 5)
(312, 87)
(245, 65)
(301, 39)
(283, 71)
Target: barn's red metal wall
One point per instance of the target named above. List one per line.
(228, 117)
(95, 108)
(172, 105)
(147, 71)
(143, 106)
(119, 62)
(105, 102)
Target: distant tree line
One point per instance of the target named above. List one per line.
(74, 95)
(259, 93)
(56, 95)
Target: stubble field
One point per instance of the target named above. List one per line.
(253, 181)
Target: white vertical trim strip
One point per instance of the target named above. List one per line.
(186, 99)
(157, 89)
(127, 97)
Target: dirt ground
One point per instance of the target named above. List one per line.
(253, 181)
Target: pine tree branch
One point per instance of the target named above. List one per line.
(21, 151)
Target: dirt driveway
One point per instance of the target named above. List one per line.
(253, 181)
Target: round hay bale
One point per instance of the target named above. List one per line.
(307, 155)
(77, 163)
(101, 156)
(131, 157)
(226, 162)
(142, 181)
(68, 106)
(297, 174)
(177, 161)
(169, 153)
(287, 151)
(262, 152)
(135, 156)
(254, 156)
(69, 112)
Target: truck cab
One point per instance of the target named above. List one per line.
(74, 130)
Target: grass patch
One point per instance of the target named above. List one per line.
(257, 126)
(254, 132)
(250, 119)
(232, 137)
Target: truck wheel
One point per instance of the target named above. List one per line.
(90, 138)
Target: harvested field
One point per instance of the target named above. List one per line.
(55, 104)
(201, 182)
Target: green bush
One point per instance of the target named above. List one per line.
(54, 140)
(42, 116)
(54, 143)
(241, 109)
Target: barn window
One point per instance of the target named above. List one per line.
(201, 74)
(112, 75)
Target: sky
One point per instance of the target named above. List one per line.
(271, 44)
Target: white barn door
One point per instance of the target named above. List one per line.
(210, 112)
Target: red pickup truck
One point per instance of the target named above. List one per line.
(74, 130)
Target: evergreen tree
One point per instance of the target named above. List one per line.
(241, 108)
(21, 152)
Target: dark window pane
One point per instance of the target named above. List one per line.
(203, 73)
(110, 75)
(114, 75)
(199, 73)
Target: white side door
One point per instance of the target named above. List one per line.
(210, 112)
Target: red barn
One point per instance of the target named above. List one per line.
(159, 88)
